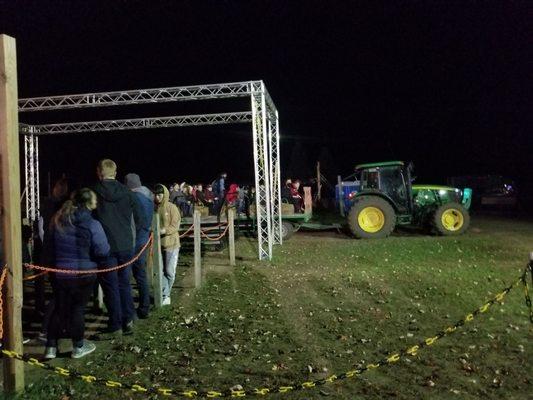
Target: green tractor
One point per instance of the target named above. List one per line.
(387, 199)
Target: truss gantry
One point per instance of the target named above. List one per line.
(265, 131)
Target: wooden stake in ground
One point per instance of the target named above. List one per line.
(11, 218)
(231, 233)
(155, 261)
(308, 201)
(197, 249)
(318, 182)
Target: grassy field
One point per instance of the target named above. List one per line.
(327, 304)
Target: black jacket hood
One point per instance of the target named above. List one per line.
(111, 190)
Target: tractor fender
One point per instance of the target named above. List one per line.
(377, 193)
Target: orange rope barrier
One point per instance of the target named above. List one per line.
(2, 280)
(186, 232)
(92, 271)
(31, 277)
(211, 228)
(216, 238)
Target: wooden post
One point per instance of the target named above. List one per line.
(341, 195)
(197, 249)
(10, 212)
(231, 232)
(155, 261)
(318, 183)
(308, 201)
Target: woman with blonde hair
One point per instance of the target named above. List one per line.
(76, 243)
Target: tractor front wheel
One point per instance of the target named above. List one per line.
(451, 219)
(371, 218)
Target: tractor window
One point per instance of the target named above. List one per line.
(370, 179)
(392, 183)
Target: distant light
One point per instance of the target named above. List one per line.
(442, 192)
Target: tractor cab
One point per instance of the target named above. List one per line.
(390, 180)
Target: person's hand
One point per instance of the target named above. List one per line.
(162, 231)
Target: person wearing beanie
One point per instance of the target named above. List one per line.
(169, 222)
(142, 232)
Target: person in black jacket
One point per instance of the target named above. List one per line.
(116, 206)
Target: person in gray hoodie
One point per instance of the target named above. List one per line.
(145, 199)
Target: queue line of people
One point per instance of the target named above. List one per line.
(97, 228)
(105, 226)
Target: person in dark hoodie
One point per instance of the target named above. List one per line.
(116, 206)
(142, 232)
(76, 242)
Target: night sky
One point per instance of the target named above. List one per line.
(445, 84)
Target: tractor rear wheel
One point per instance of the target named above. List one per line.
(371, 217)
(451, 219)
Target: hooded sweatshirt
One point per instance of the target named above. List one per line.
(116, 205)
(233, 194)
(146, 200)
(169, 219)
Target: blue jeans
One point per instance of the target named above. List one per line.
(170, 260)
(116, 286)
(139, 273)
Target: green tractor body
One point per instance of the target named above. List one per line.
(387, 199)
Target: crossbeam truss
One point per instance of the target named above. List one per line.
(265, 131)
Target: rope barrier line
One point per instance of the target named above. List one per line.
(204, 232)
(187, 231)
(212, 228)
(215, 238)
(389, 360)
(92, 271)
(31, 277)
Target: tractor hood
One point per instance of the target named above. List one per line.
(442, 194)
(433, 187)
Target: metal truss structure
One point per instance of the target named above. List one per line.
(265, 131)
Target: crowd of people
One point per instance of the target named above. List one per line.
(212, 196)
(215, 195)
(103, 228)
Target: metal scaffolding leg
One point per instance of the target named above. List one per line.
(31, 170)
(275, 168)
(275, 185)
(37, 199)
(262, 172)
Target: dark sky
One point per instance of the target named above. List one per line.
(446, 84)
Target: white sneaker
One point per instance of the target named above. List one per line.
(87, 348)
(50, 353)
(166, 301)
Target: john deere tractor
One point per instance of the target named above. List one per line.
(387, 199)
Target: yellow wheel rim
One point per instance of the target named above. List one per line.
(452, 219)
(371, 219)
